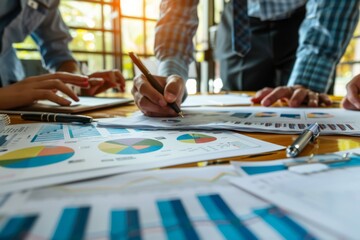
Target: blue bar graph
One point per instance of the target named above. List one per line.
(254, 170)
(125, 224)
(283, 224)
(175, 220)
(80, 131)
(72, 223)
(226, 221)
(49, 132)
(17, 227)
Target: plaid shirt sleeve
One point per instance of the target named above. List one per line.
(324, 36)
(174, 35)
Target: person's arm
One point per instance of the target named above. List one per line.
(175, 31)
(174, 49)
(324, 36)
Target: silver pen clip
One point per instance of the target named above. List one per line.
(308, 135)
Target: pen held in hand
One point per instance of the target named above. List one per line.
(308, 135)
(153, 81)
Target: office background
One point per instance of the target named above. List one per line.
(104, 31)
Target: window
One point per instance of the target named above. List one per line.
(104, 31)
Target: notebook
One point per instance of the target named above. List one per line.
(85, 104)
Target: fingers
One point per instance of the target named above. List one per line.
(300, 95)
(112, 78)
(260, 95)
(57, 85)
(152, 109)
(74, 79)
(44, 94)
(276, 94)
(146, 90)
(352, 95)
(151, 102)
(95, 87)
(297, 95)
(174, 89)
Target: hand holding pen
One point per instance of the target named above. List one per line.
(157, 96)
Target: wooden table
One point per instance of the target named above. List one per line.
(324, 144)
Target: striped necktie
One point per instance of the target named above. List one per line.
(241, 32)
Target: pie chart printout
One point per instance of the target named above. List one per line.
(196, 138)
(35, 156)
(130, 146)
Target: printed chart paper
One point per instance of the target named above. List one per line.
(261, 167)
(31, 151)
(329, 198)
(152, 205)
(260, 119)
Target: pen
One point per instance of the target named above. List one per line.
(153, 81)
(54, 117)
(308, 135)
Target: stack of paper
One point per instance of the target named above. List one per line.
(68, 152)
(167, 204)
(253, 119)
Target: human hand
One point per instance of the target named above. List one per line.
(352, 99)
(42, 87)
(294, 95)
(154, 104)
(103, 80)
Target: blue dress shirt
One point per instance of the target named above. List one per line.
(41, 20)
(324, 35)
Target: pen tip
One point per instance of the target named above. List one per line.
(181, 114)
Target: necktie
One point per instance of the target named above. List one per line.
(241, 32)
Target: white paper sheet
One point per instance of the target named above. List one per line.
(329, 198)
(32, 151)
(158, 205)
(220, 100)
(259, 119)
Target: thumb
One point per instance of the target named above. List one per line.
(174, 89)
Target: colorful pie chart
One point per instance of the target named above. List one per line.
(35, 156)
(131, 146)
(196, 138)
(319, 115)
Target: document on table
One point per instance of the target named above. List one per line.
(328, 198)
(166, 204)
(260, 167)
(253, 119)
(85, 104)
(33, 151)
(219, 100)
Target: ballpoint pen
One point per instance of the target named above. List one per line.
(153, 81)
(308, 135)
(54, 117)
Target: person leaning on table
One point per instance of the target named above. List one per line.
(323, 36)
(41, 20)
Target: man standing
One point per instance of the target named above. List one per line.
(325, 29)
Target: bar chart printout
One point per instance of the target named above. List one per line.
(187, 216)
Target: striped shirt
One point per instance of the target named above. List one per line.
(324, 35)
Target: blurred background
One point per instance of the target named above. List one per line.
(104, 31)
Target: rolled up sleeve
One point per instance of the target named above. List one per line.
(324, 36)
